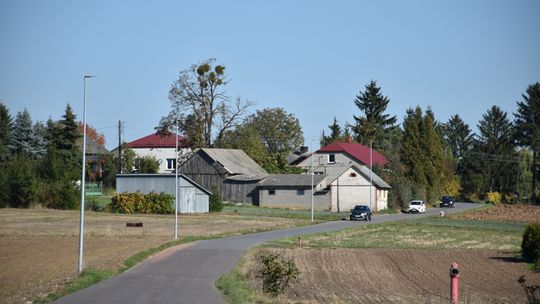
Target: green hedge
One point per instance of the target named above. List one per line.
(530, 245)
(142, 203)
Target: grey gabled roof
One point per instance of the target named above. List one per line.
(377, 180)
(292, 180)
(235, 162)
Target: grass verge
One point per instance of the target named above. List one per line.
(234, 285)
(319, 216)
(428, 233)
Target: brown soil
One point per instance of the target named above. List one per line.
(399, 276)
(510, 213)
(39, 247)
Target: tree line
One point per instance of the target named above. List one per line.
(429, 158)
(40, 163)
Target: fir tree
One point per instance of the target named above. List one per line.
(527, 126)
(496, 147)
(335, 134)
(372, 126)
(433, 157)
(5, 132)
(412, 154)
(22, 135)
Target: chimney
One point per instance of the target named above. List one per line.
(348, 140)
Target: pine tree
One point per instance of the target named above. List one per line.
(458, 136)
(496, 147)
(66, 142)
(5, 132)
(335, 134)
(433, 157)
(22, 135)
(527, 126)
(372, 126)
(412, 154)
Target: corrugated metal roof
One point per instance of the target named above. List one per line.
(292, 180)
(156, 140)
(358, 151)
(235, 162)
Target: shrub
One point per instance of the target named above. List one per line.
(277, 273)
(139, 203)
(216, 204)
(530, 245)
(494, 197)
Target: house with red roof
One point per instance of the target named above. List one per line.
(161, 147)
(350, 181)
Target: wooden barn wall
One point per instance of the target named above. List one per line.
(199, 168)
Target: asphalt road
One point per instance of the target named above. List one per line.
(188, 275)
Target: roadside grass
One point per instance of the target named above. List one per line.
(319, 216)
(234, 285)
(427, 233)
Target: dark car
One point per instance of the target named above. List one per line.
(361, 212)
(446, 201)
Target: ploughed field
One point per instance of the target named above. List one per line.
(407, 261)
(39, 247)
(345, 275)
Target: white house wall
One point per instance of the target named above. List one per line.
(351, 188)
(161, 155)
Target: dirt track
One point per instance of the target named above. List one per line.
(401, 276)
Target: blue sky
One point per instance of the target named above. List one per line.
(309, 57)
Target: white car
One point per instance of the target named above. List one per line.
(416, 206)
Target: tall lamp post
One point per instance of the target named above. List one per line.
(370, 173)
(176, 180)
(81, 227)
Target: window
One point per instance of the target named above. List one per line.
(331, 158)
(171, 163)
(271, 192)
(300, 192)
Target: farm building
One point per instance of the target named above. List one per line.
(293, 191)
(192, 197)
(337, 190)
(347, 167)
(232, 172)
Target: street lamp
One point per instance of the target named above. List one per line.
(176, 180)
(370, 173)
(81, 227)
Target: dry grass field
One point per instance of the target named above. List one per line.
(39, 247)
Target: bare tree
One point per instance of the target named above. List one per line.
(200, 104)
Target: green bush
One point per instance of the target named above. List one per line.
(530, 245)
(131, 203)
(277, 273)
(216, 204)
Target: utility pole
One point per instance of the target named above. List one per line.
(120, 147)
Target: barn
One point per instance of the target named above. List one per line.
(192, 197)
(231, 171)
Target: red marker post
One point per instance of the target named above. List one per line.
(454, 282)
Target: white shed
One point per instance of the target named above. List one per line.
(192, 197)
